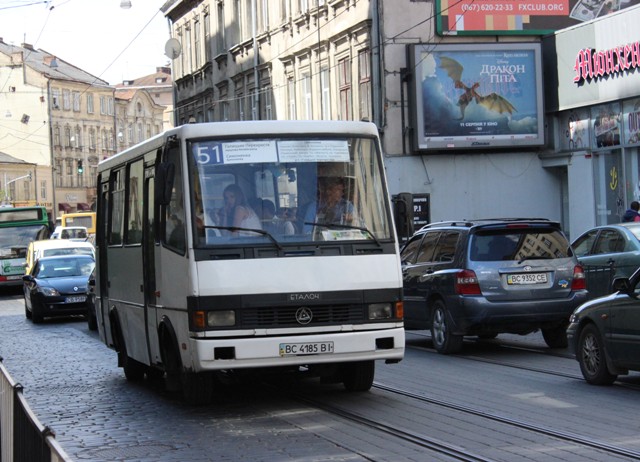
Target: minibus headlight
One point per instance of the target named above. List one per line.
(380, 311)
(221, 318)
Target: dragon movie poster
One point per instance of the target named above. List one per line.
(474, 96)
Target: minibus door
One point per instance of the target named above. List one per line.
(149, 271)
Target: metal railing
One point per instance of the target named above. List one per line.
(22, 437)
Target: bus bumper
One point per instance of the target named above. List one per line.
(297, 350)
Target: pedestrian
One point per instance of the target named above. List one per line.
(632, 213)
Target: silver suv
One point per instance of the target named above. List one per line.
(486, 277)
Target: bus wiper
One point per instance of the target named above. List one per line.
(338, 225)
(253, 230)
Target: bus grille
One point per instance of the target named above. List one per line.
(286, 316)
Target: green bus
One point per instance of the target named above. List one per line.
(18, 227)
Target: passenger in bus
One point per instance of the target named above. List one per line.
(206, 224)
(309, 209)
(237, 212)
(333, 207)
(176, 238)
(273, 223)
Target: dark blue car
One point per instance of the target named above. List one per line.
(604, 333)
(57, 286)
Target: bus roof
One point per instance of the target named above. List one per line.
(243, 128)
(17, 216)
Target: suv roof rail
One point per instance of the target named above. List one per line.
(470, 223)
(513, 219)
(436, 224)
(478, 221)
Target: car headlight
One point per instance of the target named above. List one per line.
(380, 311)
(48, 291)
(221, 318)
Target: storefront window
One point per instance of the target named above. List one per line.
(606, 120)
(631, 111)
(610, 204)
(574, 129)
(632, 174)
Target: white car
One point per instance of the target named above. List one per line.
(74, 233)
(55, 247)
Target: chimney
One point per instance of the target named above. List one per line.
(49, 60)
(17, 57)
(28, 46)
(163, 70)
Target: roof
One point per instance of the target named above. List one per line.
(80, 256)
(125, 94)
(159, 79)
(7, 159)
(59, 244)
(40, 61)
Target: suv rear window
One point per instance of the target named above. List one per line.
(519, 244)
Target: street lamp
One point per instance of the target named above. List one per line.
(125, 4)
(7, 183)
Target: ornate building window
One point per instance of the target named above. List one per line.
(364, 84)
(90, 103)
(344, 87)
(77, 99)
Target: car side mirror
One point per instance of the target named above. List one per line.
(621, 285)
(403, 214)
(27, 278)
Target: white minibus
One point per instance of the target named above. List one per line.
(243, 245)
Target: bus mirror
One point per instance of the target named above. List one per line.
(403, 214)
(165, 174)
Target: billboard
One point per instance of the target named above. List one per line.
(470, 96)
(509, 17)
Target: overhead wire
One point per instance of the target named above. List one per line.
(23, 5)
(46, 2)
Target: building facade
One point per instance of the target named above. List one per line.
(159, 89)
(357, 59)
(594, 108)
(249, 60)
(18, 179)
(60, 121)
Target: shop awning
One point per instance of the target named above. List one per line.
(83, 206)
(64, 207)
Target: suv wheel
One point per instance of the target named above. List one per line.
(443, 340)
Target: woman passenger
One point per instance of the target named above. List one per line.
(237, 212)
